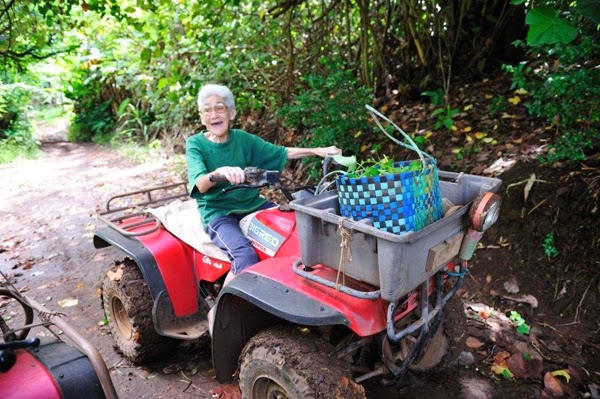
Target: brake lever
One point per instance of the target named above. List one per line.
(239, 186)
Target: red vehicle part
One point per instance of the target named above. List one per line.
(270, 291)
(53, 370)
(28, 379)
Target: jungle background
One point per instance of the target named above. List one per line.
(501, 88)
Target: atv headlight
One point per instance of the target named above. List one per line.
(484, 211)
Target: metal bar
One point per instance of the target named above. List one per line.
(122, 229)
(147, 192)
(331, 284)
(84, 345)
(426, 314)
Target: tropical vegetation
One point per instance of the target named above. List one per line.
(301, 69)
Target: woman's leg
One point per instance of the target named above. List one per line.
(225, 232)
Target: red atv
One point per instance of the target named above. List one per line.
(48, 368)
(307, 321)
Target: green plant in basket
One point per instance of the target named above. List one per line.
(383, 166)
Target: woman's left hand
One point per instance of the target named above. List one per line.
(328, 151)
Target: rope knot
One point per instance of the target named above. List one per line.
(345, 251)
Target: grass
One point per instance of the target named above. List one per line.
(11, 151)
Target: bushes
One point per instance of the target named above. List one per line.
(16, 136)
(563, 80)
(330, 110)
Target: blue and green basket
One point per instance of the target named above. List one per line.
(396, 203)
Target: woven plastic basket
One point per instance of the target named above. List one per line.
(396, 203)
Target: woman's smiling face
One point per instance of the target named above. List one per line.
(215, 118)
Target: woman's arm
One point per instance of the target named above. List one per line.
(234, 174)
(295, 152)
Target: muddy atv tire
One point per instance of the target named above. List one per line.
(449, 340)
(128, 308)
(285, 362)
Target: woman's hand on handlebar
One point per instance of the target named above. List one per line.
(233, 174)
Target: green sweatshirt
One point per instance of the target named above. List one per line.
(241, 149)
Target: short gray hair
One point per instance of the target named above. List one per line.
(218, 90)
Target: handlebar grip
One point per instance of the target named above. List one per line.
(217, 178)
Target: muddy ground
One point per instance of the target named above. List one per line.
(47, 220)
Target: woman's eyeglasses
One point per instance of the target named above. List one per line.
(219, 108)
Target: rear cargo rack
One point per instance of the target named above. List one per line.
(126, 212)
(396, 264)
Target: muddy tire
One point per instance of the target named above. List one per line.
(285, 362)
(128, 308)
(449, 340)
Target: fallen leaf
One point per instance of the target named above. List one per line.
(522, 368)
(525, 348)
(116, 275)
(468, 107)
(501, 357)
(65, 303)
(480, 135)
(553, 385)
(511, 285)
(488, 278)
(514, 100)
(474, 343)
(528, 299)
(226, 391)
(521, 91)
(502, 370)
(528, 186)
(467, 129)
(562, 373)
(99, 256)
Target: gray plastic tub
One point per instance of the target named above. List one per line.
(395, 263)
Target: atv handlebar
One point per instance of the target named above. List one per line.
(253, 178)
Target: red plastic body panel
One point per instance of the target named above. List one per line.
(366, 316)
(284, 225)
(28, 379)
(210, 269)
(175, 260)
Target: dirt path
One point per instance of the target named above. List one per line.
(47, 222)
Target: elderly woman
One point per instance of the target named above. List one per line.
(226, 151)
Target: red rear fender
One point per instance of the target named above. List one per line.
(166, 263)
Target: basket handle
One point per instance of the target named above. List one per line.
(413, 146)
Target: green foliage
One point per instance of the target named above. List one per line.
(518, 321)
(498, 105)
(444, 117)
(16, 136)
(133, 123)
(383, 166)
(572, 146)
(92, 124)
(330, 109)
(550, 247)
(564, 82)
(93, 119)
(546, 27)
(435, 96)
